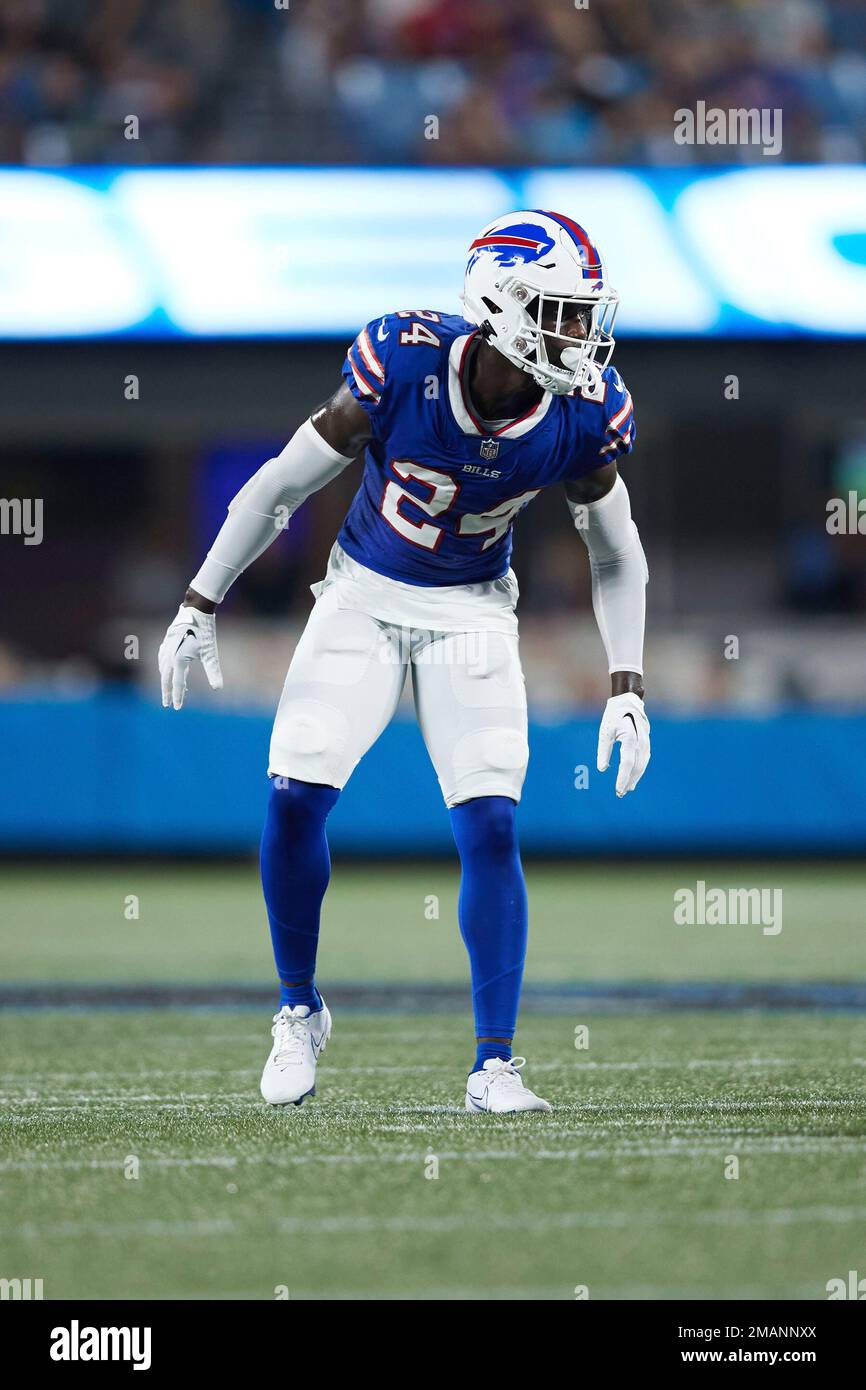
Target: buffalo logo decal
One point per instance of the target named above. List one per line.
(513, 245)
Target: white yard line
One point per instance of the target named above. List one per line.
(31, 1078)
(437, 1225)
(221, 1101)
(712, 1145)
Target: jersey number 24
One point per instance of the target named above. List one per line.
(443, 494)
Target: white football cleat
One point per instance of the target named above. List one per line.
(299, 1039)
(498, 1089)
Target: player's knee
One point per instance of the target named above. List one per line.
(486, 825)
(294, 805)
(489, 762)
(309, 741)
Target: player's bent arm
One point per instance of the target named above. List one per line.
(592, 486)
(343, 423)
(601, 511)
(318, 452)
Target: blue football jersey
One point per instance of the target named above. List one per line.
(439, 493)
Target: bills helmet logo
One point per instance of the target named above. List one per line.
(513, 245)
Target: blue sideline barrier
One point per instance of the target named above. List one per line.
(114, 772)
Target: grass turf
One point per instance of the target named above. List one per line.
(622, 1188)
(587, 922)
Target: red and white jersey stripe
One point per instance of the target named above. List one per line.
(367, 369)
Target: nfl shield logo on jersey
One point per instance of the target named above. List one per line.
(489, 449)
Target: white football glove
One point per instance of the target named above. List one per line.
(191, 635)
(624, 721)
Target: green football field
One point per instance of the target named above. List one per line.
(697, 1153)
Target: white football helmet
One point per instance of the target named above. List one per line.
(532, 267)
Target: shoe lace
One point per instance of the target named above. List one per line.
(507, 1074)
(289, 1034)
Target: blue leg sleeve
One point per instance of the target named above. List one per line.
(493, 915)
(296, 867)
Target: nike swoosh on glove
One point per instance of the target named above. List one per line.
(191, 636)
(624, 722)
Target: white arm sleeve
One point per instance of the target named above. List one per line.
(263, 506)
(619, 575)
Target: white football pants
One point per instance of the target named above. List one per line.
(345, 681)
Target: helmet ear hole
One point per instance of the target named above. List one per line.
(494, 308)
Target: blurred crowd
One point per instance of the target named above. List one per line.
(793, 596)
(361, 81)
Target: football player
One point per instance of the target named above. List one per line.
(462, 421)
